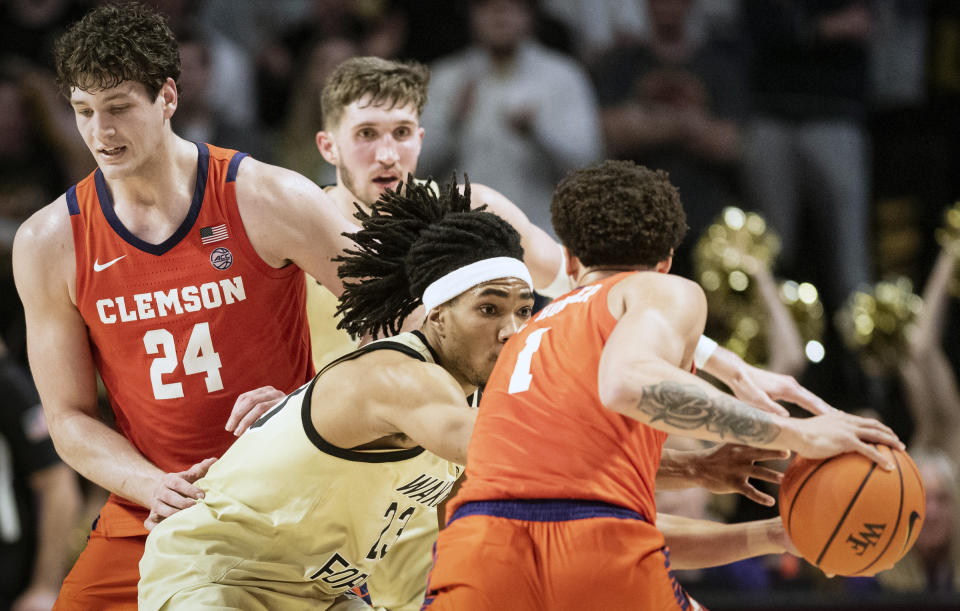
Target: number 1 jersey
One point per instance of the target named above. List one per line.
(542, 432)
(179, 329)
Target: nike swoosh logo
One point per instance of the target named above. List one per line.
(914, 516)
(99, 268)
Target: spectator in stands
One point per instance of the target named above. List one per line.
(674, 101)
(509, 111)
(39, 498)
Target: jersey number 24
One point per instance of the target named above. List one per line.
(199, 357)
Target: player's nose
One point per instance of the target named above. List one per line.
(387, 151)
(509, 327)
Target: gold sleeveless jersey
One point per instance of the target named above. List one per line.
(327, 342)
(288, 520)
(400, 581)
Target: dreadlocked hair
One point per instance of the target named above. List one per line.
(410, 238)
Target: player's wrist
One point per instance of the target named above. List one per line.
(792, 435)
(766, 537)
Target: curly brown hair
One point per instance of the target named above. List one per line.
(384, 80)
(115, 43)
(618, 213)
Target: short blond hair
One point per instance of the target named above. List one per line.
(384, 81)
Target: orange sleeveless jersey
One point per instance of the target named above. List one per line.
(179, 329)
(541, 431)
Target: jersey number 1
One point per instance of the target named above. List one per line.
(199, 357)
(521, 377)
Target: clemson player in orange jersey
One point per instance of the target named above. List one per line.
(557, 511)
(173, 270)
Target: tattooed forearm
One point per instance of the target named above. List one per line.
(688, 407)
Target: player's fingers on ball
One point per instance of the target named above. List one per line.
(887, 438)
(872, 423)
(766, 474)
(871, 452)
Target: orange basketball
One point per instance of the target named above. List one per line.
(848, 516)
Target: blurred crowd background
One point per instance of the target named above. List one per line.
(815, 143)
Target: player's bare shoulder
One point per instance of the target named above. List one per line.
(43, 249)
(390, 377)
(496, 202)
(668, 292)
(266, 188)
(287, 216)
(359, 400)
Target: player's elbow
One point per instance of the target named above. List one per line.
(616, 392)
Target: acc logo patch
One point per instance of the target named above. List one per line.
(221, 258)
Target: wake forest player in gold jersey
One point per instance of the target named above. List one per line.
(371, 133)
(305, 503)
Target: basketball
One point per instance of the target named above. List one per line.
(848, 516)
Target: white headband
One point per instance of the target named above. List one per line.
(464, 278)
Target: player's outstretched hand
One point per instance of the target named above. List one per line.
(728, 467)
(250, 406)
(176, 491)
(840, 432)
(763, 389)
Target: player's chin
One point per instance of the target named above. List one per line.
(486, 370)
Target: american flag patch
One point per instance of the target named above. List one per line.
(215, 233)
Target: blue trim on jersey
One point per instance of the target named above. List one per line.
(545, 510)
(106, 205)
(73, 206)
(429, 595)
(363, 593)
(234, 166)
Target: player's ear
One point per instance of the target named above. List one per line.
(572, 264)
(664, 266)
(435, 318)
(327, 147)
(170, 96)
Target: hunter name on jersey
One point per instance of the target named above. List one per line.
(141, 306)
